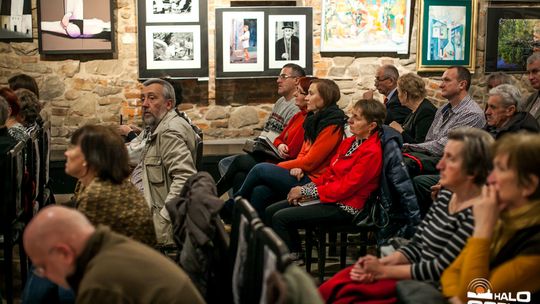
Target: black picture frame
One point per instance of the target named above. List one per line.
(228, 61)
(181, 63)
(87, 27)
(509, 53)
(16, 28)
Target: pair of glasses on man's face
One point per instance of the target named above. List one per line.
(285, 76)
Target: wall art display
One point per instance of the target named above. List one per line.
(75, 26)
(287, 40)
(513, 35)
(447, 34)
(365, 26)
(173, 39)
(15, 20)
(172, 11)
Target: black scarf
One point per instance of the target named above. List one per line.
(316, 122)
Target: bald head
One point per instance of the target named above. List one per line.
(54, 239)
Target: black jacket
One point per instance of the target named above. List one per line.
(395, 111)
(521, 121)
(416, 125)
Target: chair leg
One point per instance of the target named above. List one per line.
(332, 246)
(343, 250)
(309, 249)
(322, 253)
(24, 262)
(8, 266)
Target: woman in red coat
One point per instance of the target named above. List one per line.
(346, 184)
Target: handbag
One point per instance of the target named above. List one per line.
(373, 214)
(262, 146)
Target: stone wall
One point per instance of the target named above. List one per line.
(83, 89)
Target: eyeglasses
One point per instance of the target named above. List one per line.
(285, 76)
(377, 79)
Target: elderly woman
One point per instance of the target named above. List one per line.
(412, 92)
(15, 128)
(504, 247)
(440, 237)
(323, 132)
(288, 143)
(345, 185)
(98, 158)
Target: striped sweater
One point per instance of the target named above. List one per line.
(439, 239)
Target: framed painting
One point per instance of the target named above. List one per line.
(446, 34)
(161, 11)
(240, 42)
(514, 34)
(16, 20)
(173, 39)
(75, 26)
(290, 38)
(365, 26)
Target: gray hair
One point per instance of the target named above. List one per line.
(503, 78)
(510, 96)
(476, 152)
(534, 57)
(168, 89)
(4, 109)
(390, 71)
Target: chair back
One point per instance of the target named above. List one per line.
(33, 162)
(12, 168)
(44, 138)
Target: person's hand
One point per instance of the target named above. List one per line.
(435, 189)
(486, 212)
(368, 94)
(124, 130)
(455, 300)
(135, 129)
(283, 150)
(396, 126)
(285, 56)
(295, 194)
(358, 271)
(373, 266)
(297, 172)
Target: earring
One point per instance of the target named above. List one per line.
(84, 164)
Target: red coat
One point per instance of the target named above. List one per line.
(293, 134)
(351, 179)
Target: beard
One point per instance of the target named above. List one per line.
(151, 120)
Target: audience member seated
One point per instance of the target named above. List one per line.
(323, 132)
(412, 93)
(344, 187)
(460, 110)
(288, 143)
(504, 248)
(6, 141)
(440, 237)
(23, 81)
(13, 123)
(102, 266)
(532, 104)
(496, 79)
(504, 113)
(30, 109)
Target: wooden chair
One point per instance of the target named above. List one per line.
(45, 195)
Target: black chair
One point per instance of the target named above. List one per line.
(12, 214)
(243, 250)
(45, 195)
(33, 167)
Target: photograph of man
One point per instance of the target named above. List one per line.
(287, 45)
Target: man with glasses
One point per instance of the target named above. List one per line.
(283, 110)
(102, 266)
(386, 83)
(532, 104)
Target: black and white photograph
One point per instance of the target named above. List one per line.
(16, 20)
(160, 11)
(173, 47)
(286, 40)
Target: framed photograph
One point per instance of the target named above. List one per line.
(447, 34)
(16, 20)
(365, 26)
(173, 39)
(75, 26)
(163, 11)
(513, 35)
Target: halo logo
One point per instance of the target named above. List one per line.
(480, 292)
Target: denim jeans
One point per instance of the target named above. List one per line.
(286, 219)
(41, 290)
(267, 183)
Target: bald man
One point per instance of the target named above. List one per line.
(102, 266)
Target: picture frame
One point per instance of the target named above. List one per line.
(16, 20)
(75, 26)
(266, 26)
(366, 26)
(446, 35)
(174, 43)
(513, 35)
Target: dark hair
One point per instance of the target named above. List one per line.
(12, 100)
(476, 152)
(105, 152)
(304, 82)
(30, 106)
(177, 85)
(297, 70)
(373, 111)
(23, 81)
(463, 75)
(3, 111)
(328, 90)
(523, 150)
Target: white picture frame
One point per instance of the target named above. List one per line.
(167, 47)
(275, 36)
(232, 24)
(162, 11)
